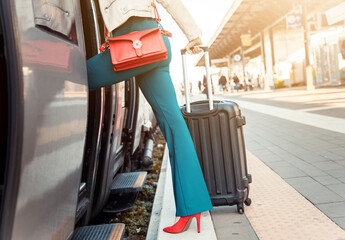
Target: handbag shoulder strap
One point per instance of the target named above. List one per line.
(158, 20)
(156, 12)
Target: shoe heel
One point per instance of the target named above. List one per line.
(197, 216)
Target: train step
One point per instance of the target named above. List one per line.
(128, 182)
(124, 191)
(100, 232)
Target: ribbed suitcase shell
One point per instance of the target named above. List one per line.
(219, 143)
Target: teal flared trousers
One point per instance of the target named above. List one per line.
(190, 191)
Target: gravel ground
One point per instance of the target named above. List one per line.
(137, 219)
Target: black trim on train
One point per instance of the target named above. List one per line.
(15, 118)
(95, 121)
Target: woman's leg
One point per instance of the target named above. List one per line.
(190, 191)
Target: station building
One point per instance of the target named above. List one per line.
(265, 42)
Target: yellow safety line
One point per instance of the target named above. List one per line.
(279, 212)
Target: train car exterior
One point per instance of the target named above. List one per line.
(64, 146)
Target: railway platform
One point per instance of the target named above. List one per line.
(296, 155)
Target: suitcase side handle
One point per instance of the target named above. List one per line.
(208, 77)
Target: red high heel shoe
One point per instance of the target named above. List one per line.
(183, 224)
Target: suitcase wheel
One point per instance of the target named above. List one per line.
(248, 202)
(240, 208)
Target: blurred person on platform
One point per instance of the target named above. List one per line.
(206, 86)
(236, 81)
(199, 86)
(222, 82)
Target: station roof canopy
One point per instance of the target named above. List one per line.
(252, 16)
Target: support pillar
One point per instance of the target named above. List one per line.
(308, 68)
(243, 65)
(268, 61)
(263, 57)
(229, 66)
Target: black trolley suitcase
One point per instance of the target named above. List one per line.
(216, 130)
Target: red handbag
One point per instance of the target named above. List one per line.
(138, 48)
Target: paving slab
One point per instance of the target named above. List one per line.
(338, 173)
(297, 162)
(340, 151)
(334, 210)
(341, 179)
(288, 172)
(314, 172)
(310, 157)
(328, 165)
(314, 191)
(332, 155)
(230, 225)
(327, 180)
(338, 189)
(265, 153)
(278, 164)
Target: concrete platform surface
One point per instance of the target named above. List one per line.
(230, 225)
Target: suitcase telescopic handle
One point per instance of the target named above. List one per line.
(208, 77)
(204, 48)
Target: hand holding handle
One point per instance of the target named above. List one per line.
(202, 47)
(193, 46)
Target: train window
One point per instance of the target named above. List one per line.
(3, 111)
(56, 17)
